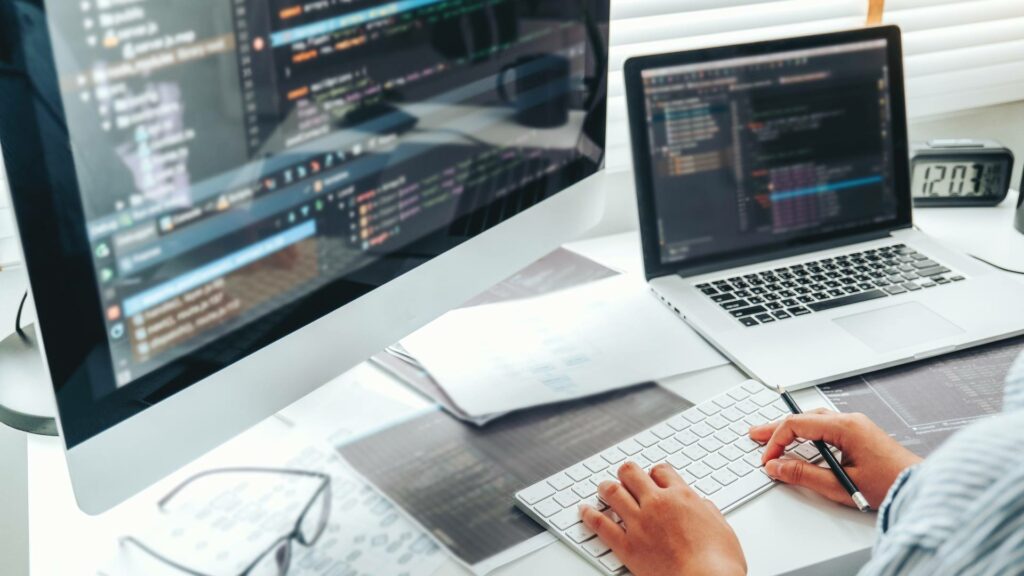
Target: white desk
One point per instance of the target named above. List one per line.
(786, 530)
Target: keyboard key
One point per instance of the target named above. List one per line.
(694, 415)
(737, 394)
(740, 428)
(724, 477)
(717, 422)
(565, 519)
(566, 499)
(725, 436)
(687, 437)
(765, 318)
(560, 481)
(694, 452)
(702, 429)
(679, 461)
(611, 562)
(663, 431)
(579, 533)
(613, 455)
(745, 444)
(630, 447)
(708, 408)
(749, 322)
(847, 300)
(734, 304)
(710, 444)
(584, 489)
(740, 468)
(655, 454)
(678, 423)
(747, 407)
(807, 451)
(935, 271)
(732, 414)
(646, 439)
(719, 298)
(595, 547)
(765, 397)
(670, 445)
(731, 453)
(723, 401)
(752, 387)
(740, 490)
(536, 493)
(547, 508)
(715, 461)
(708, 486)
(578, 472)
(595, 464)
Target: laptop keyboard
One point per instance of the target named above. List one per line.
(793, 291)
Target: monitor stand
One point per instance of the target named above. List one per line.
(26, 400)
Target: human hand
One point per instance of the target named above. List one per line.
(668, 528)
(871, 458)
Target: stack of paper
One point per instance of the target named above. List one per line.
(568, 344)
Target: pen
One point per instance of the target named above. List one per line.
(858, 499)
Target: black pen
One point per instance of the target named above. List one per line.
(837, 468)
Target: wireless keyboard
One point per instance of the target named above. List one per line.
(708, 445)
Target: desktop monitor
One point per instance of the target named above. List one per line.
(224, 204)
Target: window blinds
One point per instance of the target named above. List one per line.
(960, 54)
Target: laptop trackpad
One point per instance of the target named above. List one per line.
(899, 326)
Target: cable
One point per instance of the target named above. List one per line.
(17, 319)
(996, 266)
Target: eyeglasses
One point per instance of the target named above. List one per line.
(275, 560)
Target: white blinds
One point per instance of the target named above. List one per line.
(961, 54)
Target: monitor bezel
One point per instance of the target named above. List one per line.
(654, 267)
(50, 216)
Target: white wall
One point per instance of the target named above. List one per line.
(1003, 123)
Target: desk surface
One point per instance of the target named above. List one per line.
(831, 539)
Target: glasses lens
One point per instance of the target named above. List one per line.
(315, 520)
(275, 562)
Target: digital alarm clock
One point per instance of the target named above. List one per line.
(960, 173)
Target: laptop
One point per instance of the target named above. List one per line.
(775, 205)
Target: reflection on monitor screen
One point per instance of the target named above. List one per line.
(240, 155)
(239, 159)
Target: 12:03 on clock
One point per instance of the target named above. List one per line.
(960, 173)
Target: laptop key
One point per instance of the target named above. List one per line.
(744, 312)
(723, 298)
(749, 322)
(765, 318)
(911, 286)
(896, 290)
(781, 314)
(847, 300)
(933, 271)
(799, 311)
(734, 304)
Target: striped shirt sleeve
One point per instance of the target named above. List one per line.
(962, 510)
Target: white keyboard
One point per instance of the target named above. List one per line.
(708, 445)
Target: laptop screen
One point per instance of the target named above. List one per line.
(755, 152)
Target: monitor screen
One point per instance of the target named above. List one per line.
(757, 151)
(245, 167)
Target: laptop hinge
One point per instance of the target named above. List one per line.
(730, 263)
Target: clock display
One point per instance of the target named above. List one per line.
(958, 179)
